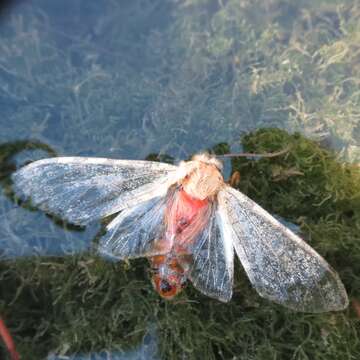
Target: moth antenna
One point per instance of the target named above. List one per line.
(264, 155)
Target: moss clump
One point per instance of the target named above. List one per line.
(307, 185)
(84, 303)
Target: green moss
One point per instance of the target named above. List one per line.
(315, 190)
(160, 157)
(84, 303)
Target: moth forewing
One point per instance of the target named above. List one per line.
(280, 265)
(82, 190)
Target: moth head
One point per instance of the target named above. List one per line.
(203, 179)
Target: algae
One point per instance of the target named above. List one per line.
(172, 78)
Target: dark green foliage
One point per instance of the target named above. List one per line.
(307, 185)
(220, 149)
(160, 157)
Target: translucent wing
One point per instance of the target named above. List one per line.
(81, 189)
(138, 231)
(211, 263)
(280, 265)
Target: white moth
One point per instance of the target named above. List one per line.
(189, 223)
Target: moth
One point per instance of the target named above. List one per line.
(189, 223)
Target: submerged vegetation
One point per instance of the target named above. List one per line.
(148, 76)
(84, 303)
(169, 79)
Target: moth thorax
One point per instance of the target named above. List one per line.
(203, 182)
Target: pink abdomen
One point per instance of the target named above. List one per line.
(185, 217)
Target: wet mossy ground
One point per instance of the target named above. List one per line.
(80, 304)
